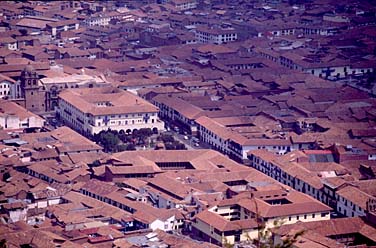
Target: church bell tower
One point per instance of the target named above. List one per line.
(31, 91)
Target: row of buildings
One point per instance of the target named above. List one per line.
(281, 91)
(53, 179)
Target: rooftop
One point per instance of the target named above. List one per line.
(106, 101)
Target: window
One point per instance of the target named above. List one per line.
(297, 217)
(313, 216)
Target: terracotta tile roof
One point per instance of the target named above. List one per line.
(334, 227)
(215, 127)
(184, 108)
(121, 170)
(99, 187)
(61, 23)
(121, 102)
(5, 78)
(170, 185)
(205, 160)
(63, 139)
(223, 225)
(148, 214)
(10, 108)
(33, 23)
(355, 195)
(300, 204)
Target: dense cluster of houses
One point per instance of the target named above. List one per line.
(280, 94)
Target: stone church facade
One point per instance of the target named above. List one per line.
(30, 94)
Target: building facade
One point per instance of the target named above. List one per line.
(215, 35)
(29, 93)
(13, 116)
(235, 220)
(91, 110)
(7, 86)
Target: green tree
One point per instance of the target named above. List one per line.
(109, 141)
(131, 147)
(122, 135)
(179, 146)
(167, 138)
(142, 134)
(121, 148)
(169, 146)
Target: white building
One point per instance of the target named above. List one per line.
(162, 219)
(178, 110)
(184, 5)
(214, 134)
(235, 220)
(7, 86)
(16, 211)
(215, 35)
(56, 28)
(13, 116)
(100, 19)
(8, 43)
(324, 186)
(92, 110)
(234, 144)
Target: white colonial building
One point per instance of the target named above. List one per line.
(7, 86)
(92, 110)
(13, 116)
(215, 35)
